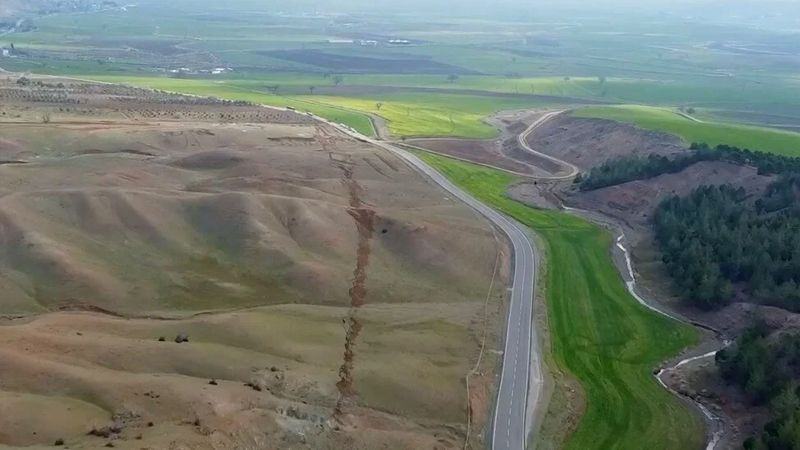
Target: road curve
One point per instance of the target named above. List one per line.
(521, 374)
(521, 377)
(522, 138)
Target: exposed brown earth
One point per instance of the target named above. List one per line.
(583, 142)
(177, 273)
(631, 205)
(702, 381)
(489, 152)
(588, 143)
(635, 202)
(364, 219)
(539, 194)
(504, 153)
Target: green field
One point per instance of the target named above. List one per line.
(599, 333)
(407, 114)
(230, 91)
(465, 66)
(615, 56)
(690, 91)
(413, 114)
(713, 133)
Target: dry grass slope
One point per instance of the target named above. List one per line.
(120, 231)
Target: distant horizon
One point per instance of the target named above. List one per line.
(784, 10)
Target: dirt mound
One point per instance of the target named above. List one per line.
(588, 143)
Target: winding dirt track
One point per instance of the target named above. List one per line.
(572, 170)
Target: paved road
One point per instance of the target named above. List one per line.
(521, 379)
(521, 374)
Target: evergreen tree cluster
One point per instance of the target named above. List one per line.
(781, 196)
(631, 168)
(716, 242)
(768, 370)
(719, 244)
(766, 163)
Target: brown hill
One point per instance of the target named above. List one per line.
(311, 274)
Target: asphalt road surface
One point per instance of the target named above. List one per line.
(521, 378)
(521, 374)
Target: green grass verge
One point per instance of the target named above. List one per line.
(713, 133)
(599, 333)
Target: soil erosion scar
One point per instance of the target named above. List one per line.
(365, 220)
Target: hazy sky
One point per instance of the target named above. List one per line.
(786, 11)
(529, 7)
(723, 10)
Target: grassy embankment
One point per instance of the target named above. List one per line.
(599, 333)
(659, 119)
